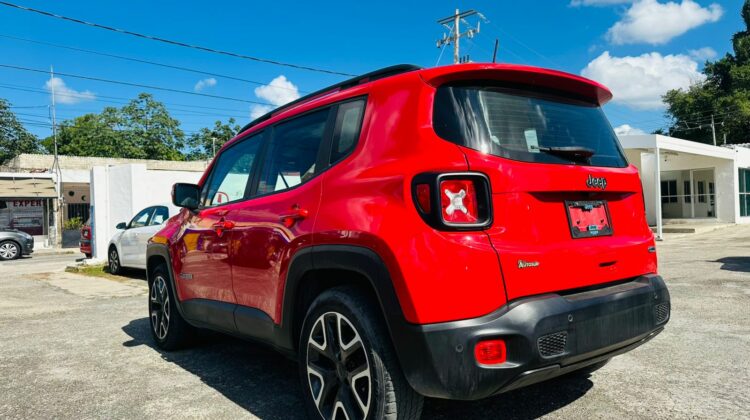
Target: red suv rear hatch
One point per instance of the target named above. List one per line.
(568, 209)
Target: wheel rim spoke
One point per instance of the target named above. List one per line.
(338, 368)
(159, 302)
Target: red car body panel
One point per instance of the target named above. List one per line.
(367, 201)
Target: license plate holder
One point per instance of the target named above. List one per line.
(588, 219)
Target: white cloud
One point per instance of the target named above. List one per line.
(279, 92)
(651, 22)
(627, 130)
(66, 95)
(577, 3)
(705, 53)
(204, 83)
(640, 82)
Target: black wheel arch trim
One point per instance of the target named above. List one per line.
(254, 324)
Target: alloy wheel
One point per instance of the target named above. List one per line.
(114, 261)
(159, 307)
(8, 251)
(338, 369)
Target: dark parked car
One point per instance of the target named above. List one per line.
(14, 243)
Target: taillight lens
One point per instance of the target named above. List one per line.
(423, 198)
(454, 200)
(458, 201)
(490, 352)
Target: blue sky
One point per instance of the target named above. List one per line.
(638, 48)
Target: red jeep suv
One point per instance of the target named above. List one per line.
(454, 232)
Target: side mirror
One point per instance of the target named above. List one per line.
(186, 195)
(121, 226)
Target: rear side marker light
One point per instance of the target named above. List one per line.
(490, 352)
(423, 197)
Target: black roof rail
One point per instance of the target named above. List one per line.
(367, 77)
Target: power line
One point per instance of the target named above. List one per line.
(122, 101)
(172, 42)
(97, 79)
(139, 60)
(125, 101)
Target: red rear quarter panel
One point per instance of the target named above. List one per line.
(438, 276)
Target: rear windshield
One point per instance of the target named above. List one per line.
(526, 126)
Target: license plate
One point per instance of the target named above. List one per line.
(588, 218)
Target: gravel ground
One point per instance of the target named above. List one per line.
(74, 346)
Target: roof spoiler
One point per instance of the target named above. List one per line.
(523, 75)
(358, 80)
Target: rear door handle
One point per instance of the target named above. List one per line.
(297, 214)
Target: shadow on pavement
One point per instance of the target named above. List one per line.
(741, 264)
(267, 385)
(256, 378)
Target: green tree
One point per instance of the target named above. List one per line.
(14, 138)
(201, 144)
(142, 129)
(725, 94)
(146, 123)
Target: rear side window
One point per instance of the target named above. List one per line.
(293, 152)
(231, 172)
(526, 126)
(347, 129)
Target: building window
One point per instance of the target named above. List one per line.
(688, 198)
(701, 192)
(669, 191)
(744, 192)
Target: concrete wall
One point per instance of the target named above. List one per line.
(119, 192)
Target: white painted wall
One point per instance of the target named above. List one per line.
(119, 192)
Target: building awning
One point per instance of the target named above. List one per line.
(27, 188)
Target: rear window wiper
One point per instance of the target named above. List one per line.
(572, 152)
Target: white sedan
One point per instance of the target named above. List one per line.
(127, 248)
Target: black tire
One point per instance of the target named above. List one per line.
(168, 328)
(354, 317)
(9, 250)
(113, 260)
(88, 256)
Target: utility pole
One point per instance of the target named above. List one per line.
(713, 128)
(453, 25)
(57, 207)
(213, 147)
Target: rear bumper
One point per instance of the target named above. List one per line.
(85, 246)
(545, 336)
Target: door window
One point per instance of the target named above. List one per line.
(231, 172)
(141, 219)
(293, 152)
(161, 214)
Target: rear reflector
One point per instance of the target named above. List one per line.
(490, 352)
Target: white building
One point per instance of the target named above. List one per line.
(29, 197)
(688, 180)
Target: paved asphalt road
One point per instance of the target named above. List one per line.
(74, 346)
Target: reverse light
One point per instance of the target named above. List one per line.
(490, 352)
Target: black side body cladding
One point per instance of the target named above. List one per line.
(438, 359)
